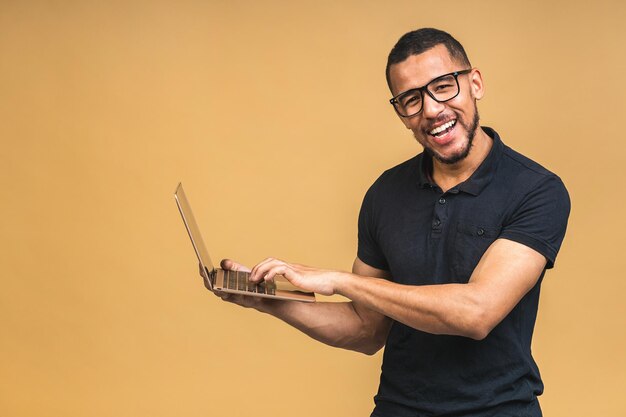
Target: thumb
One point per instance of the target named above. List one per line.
(231, 265)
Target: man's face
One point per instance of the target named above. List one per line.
(445, 130)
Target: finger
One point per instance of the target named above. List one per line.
(223, 295)
(264, 268)
(231, 265)
(232, 298)
(284, 270)
(277, 270)
(260, 269)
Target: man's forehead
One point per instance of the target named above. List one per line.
(417, 70)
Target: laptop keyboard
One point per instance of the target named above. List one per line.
(237, 280)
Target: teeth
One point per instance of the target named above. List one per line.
(442, 127)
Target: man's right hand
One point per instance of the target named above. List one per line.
(243, 300)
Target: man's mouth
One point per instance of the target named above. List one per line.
(443, 129)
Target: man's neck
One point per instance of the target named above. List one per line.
(447, 176)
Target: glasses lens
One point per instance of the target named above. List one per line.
(444, 88)
(409, 103)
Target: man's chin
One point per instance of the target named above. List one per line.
(453, 155)
(452, 158)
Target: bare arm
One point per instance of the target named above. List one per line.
(505, 273)
(346, 325)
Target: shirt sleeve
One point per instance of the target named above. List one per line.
(368, 248)
(540, 220)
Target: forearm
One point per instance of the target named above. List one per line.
(454, 309)
(335, 324)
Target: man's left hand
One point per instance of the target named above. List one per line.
(308, 279)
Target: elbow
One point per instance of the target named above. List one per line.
(367, 347)
(478, 333)
(480, 326)
(375, 340)
(371, 349)
(369, 341)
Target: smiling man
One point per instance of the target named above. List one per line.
(453, 246)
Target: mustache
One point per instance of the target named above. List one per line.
(441, 119)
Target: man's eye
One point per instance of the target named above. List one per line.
(442, 87)
(411, 101)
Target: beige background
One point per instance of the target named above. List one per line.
(274, 114)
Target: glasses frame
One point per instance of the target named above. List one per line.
(455, 74)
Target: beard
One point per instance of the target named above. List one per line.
(462, 153)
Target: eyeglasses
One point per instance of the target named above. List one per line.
(441, 89)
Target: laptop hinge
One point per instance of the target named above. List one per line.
(212, 275)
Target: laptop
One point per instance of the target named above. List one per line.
(235, 282)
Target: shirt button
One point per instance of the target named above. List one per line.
(442, 200)
(480, 232)
(436, 223)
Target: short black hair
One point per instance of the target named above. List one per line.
(421, 40)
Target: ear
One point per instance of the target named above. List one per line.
(477, 86)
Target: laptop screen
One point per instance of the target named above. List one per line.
(192, 228)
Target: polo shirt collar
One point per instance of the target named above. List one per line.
(478, 180)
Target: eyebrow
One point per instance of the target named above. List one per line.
(423, 86)
(407, 92)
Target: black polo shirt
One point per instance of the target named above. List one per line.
(423, 236)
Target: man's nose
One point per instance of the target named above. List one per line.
(431, 107)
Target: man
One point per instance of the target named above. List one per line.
(453, 245)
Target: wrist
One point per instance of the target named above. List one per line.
(342, 282)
